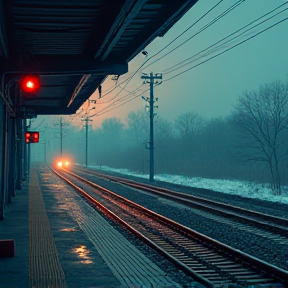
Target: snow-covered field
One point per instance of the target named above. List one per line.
(245, 189)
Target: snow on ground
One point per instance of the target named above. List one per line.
(243, 188)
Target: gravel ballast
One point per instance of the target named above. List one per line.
(257, 245)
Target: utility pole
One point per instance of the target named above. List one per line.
(45, 150)
(86, 119)
(86, 146)
(61, 136)
(150, 79)
(28, 151)
(61, 124)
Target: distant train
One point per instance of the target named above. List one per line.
(62, 162)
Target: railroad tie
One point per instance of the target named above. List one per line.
(45, 269)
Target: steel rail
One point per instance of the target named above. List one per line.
(266, 222)
(255, 264)
(142, 237)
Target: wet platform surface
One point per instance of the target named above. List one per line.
(14, 271)
(62, 242)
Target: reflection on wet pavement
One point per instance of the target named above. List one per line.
(69, 229)
(83, 253)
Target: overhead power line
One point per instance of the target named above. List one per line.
(232, 7)
(192, 25)
(129, 100)
(130, 78)
(118, 100)
(215, 47)
(253, 36)
(111, 89)
(39, 124)
(168, 79)
(212, 48)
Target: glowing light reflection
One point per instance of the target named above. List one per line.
(68, 229)
(83, 253)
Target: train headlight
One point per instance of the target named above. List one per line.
(60, 164)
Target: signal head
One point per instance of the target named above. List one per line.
(30, 83)
(32, 137)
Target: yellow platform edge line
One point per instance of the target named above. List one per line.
(45, 269)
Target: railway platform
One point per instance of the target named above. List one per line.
(61, 242)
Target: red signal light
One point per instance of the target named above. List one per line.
(30, 83)
(27, 137)
(35, 137)
(32, 137)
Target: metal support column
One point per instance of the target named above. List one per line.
(19, 153)
(11, 148)
(26, 154)
(3, 158)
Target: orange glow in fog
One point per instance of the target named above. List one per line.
(63, 161)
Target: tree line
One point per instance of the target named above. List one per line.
(250, 144)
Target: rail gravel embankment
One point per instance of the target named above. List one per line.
(257, 245)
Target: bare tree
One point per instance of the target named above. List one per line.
(138, 134)
(163, 129)
(188, 127)
(138, 124)
(109, 141)
(263, 119)
(164, 152)
(189, 124)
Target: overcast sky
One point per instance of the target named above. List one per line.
(210, 89)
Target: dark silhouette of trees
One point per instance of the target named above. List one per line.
(215, 150)
(188, 128)
(262, 117)
(137, 135)
(250, 144)
(189, 124)
(164, 145)
(109, 139)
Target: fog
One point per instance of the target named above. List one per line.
(197, 132)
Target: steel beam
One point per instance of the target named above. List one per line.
(3, 36)
(67, 65)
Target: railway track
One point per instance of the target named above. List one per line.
(276, 226)
(208, 261)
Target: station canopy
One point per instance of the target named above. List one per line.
(72, 46)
